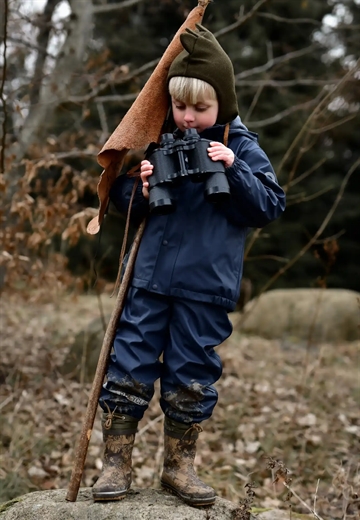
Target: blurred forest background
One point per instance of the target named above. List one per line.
(69, 72)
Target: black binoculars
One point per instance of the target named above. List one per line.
(177, 158)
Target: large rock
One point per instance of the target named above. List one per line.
(317, 315)
(144, 504)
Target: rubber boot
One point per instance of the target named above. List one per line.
(179, 474)
(115, 479)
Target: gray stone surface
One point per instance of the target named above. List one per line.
(140, 504)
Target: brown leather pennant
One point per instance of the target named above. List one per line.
(143, 122)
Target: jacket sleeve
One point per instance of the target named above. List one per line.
(120, 195)
(257, 197)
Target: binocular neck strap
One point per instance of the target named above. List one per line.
(226, 134)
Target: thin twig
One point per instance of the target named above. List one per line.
(302, 501)
(305, 174)
(333, 125)
(7, 401)
(115, 7)
(307, 145)
(296, 21)
(316, 493)
(117, 98)
(149, 425)
(241, 20)
(103, 122)
(101, 308)
(302, 198)
(268, 257)
(254, 237)
(2, 86)
(253, 104)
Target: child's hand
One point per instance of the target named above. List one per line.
(220, 152)
(145, 170)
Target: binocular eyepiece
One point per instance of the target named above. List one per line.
(176, 158)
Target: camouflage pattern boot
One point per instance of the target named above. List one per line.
(179, 474)
(119, 435)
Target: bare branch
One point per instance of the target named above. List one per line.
(115, 7)
(284, 113)
(241, 20)
(253, 104)
(255, 235)
(280, 59)
(29, 45)
(74, 154)
(268, 257)
(333, 125)
(286, 83)
(113, 79)
(303, 198)
(302, 501)
(331, 238)
(290, 20)
(116, 98)
(103, 121)
(305, 174)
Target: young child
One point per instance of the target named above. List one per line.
(186, 279)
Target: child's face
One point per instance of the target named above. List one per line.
(199, 116)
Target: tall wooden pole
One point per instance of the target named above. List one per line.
(88, 423)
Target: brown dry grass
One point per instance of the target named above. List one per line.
(281, 400)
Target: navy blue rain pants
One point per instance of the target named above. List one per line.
(186, 332)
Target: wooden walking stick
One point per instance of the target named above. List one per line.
(88, 423)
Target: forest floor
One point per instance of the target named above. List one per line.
(282, 406)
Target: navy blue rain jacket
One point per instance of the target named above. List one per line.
(197, 251)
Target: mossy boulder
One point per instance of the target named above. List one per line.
(144, 504)
(315, 315)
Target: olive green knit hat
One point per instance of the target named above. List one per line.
(205, 59)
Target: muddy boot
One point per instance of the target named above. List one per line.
(119, 435)
(179, 475)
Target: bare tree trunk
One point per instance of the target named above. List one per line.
(2, 18)
(42, 42)
(56, 89)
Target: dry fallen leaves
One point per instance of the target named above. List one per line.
(263, 410)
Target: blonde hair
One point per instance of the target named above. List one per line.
(190, 90)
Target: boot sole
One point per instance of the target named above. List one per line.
(196, 502)
(109, 496)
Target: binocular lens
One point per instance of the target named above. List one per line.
(217, 189)
(160, 201)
